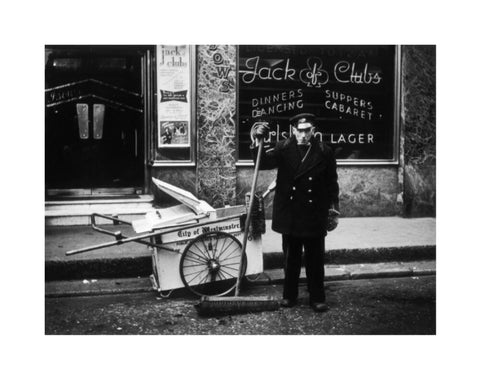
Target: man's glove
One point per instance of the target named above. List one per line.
(259, 130)
(332, 219)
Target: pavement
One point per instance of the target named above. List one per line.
(359, 247)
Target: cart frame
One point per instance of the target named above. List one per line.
(202, 250)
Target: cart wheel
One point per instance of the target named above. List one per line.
(210, 264)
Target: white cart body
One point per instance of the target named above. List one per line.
(195, 217)
(166, 263)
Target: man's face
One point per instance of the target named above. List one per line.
(303, 133)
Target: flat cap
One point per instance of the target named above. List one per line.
(302, 118)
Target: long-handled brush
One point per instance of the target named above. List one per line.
(215, 305)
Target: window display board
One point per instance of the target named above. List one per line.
(352, 90)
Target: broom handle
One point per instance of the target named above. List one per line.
(249, 215)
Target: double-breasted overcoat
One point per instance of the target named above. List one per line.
(305, 190)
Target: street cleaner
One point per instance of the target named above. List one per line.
(305, 206)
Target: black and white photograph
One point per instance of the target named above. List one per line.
(240, 189)
(335, 142)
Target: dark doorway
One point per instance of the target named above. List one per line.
(94, 120)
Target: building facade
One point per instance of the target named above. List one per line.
(115, 116)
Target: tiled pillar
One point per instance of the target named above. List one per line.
(216, 123)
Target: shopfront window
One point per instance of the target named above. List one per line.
(352, 90)
(174, 132)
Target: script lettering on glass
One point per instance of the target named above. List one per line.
(349, 88)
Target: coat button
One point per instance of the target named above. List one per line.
(293, 188)
(309, 190)
(310, 178)
(310, 201)
(291, 197)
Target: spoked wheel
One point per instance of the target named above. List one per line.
(210, 264)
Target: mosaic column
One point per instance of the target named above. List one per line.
(419, 119)
(216, 112)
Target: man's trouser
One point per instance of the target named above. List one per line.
(314, 266)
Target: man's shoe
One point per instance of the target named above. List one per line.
(288, 303)
(319, 307)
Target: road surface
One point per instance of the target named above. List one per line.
(366, 307)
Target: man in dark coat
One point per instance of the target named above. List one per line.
(305, 205)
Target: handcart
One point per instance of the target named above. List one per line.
(193, 245)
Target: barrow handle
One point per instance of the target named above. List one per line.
(119, 241)
(105, 231)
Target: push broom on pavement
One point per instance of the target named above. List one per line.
(217, 305)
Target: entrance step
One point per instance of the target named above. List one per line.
(77, 212)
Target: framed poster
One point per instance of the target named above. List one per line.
(174, 99)
(352, 90)
(174, 134)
